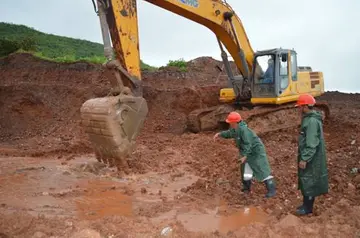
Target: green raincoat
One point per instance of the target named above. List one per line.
(251, 146)
(313, 180)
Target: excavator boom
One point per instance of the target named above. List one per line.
(220, 18)
(216, 15)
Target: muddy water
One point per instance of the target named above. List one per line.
(211, 222)
(241, 218)
(27, 186)
(168, 185)
(99, 202)
(52, 188)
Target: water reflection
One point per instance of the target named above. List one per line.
(210, 222)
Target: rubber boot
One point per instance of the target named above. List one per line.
(302, 205)
(271, 188)
(246, 186)
(307, 207)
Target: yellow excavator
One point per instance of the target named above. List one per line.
(113, 122)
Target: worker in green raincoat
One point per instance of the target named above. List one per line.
(312, 164)
(252, 153)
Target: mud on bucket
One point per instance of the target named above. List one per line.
(112, 124)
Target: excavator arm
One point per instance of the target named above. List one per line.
(216, 15)
(113, 122)
(220, 18)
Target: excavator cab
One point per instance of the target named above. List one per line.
(273, 74)
(270, 75)
(277, 79)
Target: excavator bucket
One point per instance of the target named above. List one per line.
(112, 124)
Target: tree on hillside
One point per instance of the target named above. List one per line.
(8, 47)
(28, 44)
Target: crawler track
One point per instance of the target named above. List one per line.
(263, 119)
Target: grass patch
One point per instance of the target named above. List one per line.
(180, 63)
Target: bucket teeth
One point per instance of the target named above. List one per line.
(112, 124)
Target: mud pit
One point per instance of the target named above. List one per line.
(52, 186)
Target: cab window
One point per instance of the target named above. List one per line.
(293, 67)
(284, 74)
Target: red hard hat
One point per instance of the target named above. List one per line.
(233, 117)
(305, 99)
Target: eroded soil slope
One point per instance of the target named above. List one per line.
(42, 99)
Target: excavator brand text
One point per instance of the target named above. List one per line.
(193, 3)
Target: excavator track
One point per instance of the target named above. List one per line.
(207, 119)
(269, 120)
(263, 119)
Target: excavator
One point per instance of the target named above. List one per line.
(113, 122)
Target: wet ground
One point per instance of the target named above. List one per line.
(178, 184)
(51, 197)
(84, 189)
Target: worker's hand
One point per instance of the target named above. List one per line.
(302, 164)
(216, 136)
(243, 159)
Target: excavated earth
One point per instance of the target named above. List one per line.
(180, 184)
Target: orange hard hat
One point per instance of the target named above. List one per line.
(305, 99)
(233, 117)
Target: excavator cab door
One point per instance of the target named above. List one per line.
(264, 83)
(284, 69)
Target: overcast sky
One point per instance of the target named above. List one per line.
(323, 32)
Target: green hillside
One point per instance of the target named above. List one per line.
(15, 37)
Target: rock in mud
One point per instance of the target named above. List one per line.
(351, 187)
(357, 179)
(167, 231)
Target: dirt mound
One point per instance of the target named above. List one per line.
(40, 101)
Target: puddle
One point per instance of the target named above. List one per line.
(42, 186)
(199, 222)
(241, 218)
(102, 200)
(27, 187)
(49, 187)
(163, 185)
